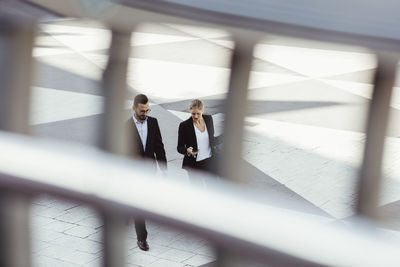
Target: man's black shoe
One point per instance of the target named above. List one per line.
(143, 245)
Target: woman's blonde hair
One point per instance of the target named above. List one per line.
(196, 104)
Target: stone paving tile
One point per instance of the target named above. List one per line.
(71, 217)
(58, 226)
(92, 221)
(162, 227)
(81, 231)
(176, 255)
(43, 261)
(141, 258)
(37, 208)
(63, 204)
(165, 263)
(131, 233)
(37, 246)
(78, 243)
(68, 254)
(44, 200)
(207, 250)
(78, 257)
(187, 243)
(155, 250)
(40, 221)
(97, 237)
(155, 228)
(198, 260)
(83, 211)
(164, 238)
(131, 244)
(53, 212)
(45, 235)
(98, 262)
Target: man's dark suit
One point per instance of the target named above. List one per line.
(187, 138)
(154, 152)
(154, 144)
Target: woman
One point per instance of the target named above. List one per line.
(196, 140)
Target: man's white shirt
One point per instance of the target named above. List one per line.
(142, 130)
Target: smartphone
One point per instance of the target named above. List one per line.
(194, 151)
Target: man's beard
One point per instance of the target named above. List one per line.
(141, 116)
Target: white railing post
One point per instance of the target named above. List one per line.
(112, 138)
(370, 174)
(16, 42)
(235, 111)
(114, 238)
(230, 165)
(14, 229)
(114, 87)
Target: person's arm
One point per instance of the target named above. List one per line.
(159, 148)
(216, 139)
(182, 149)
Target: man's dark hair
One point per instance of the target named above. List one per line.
(140, 99)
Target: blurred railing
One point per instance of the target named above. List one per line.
(253, 228)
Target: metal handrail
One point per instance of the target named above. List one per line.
(369, 24)
(232, 217)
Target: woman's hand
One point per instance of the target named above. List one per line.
(189, 151)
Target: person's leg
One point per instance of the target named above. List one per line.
(207, 165)
(141, 233)
(194, 174)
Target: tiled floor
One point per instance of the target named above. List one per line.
(303, 140)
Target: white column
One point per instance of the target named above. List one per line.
(16, 42)
(112, 139)
(235, 112)
(370, 174)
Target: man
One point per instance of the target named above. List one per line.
(148, 144)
